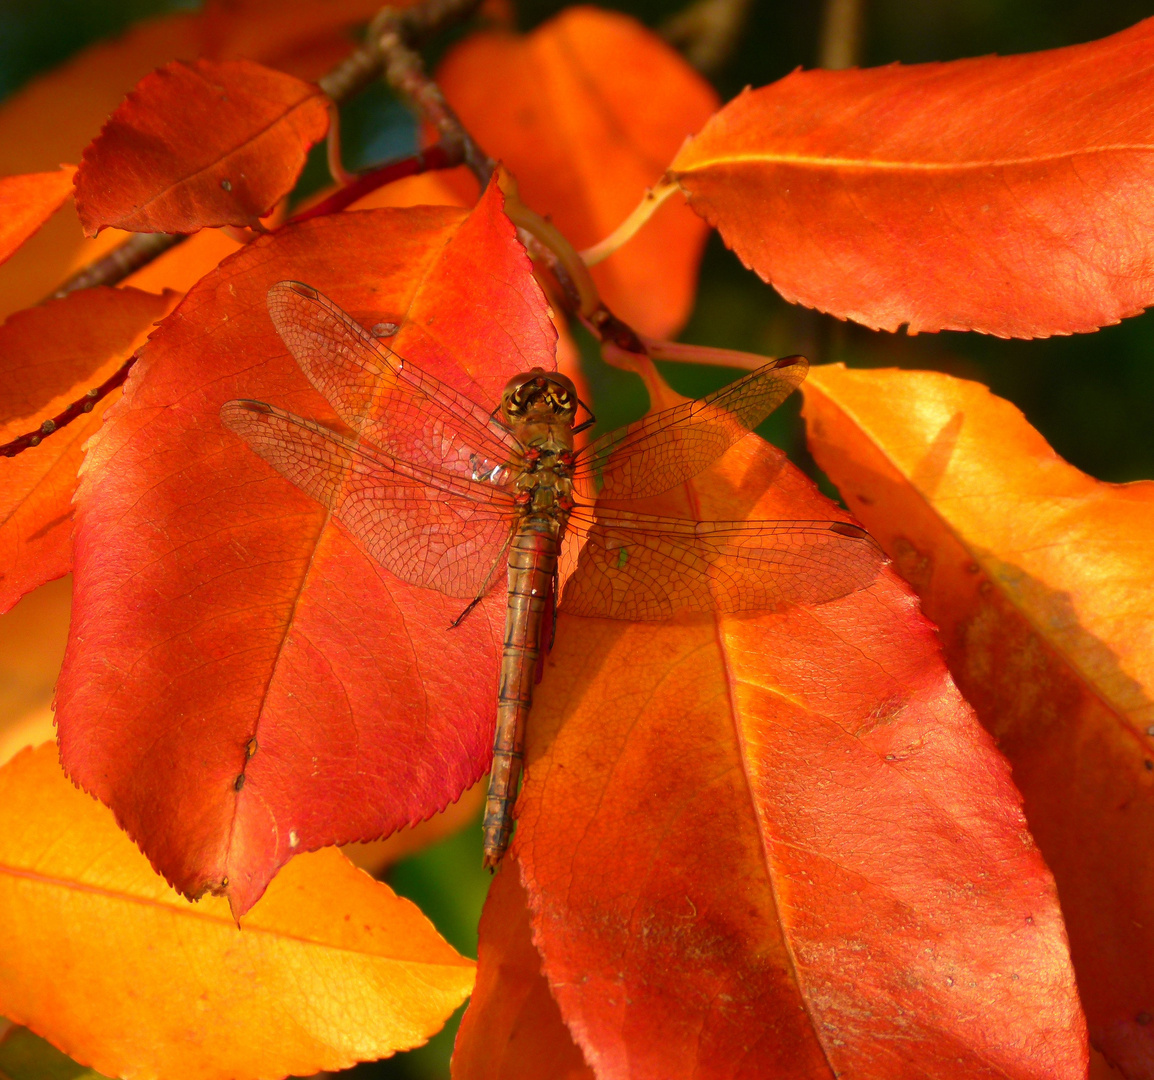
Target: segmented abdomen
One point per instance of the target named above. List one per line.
(532, 564)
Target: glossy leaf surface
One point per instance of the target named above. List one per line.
(242, 682)
(1039, 578)
(512, 1029)
(120, 972)
(196, 145)
(1010, 195)
(51, 356)
(587, 112)
(781, 845)
(26, 202)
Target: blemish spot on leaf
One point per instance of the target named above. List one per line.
(226, 185)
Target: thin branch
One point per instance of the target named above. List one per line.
(77, 409)
(135, 253)
(707, 31)
(395, 34)
(841, 34)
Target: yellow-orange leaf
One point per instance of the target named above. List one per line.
(1040, 579)
(117, 970)
(26, 202)
(587, 111)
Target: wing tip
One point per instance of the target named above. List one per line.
(791, 361)
(853, 532)
(298, 287)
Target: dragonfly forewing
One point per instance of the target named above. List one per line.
(429, 528)
(396, 406)
(669, 447)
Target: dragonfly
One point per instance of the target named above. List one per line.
(453, 495)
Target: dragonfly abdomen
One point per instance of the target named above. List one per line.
(532, 565)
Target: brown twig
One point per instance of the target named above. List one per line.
(396, 33)
(77, 409)
(111, 269)
(841, 34)
(707, 31)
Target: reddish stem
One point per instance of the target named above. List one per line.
(438, 156)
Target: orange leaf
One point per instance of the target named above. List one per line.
(1027, 213)
(512, 1029)
(211, 143)
(52, 356)
(225, 626)
(121, 973)
(586, 111)
(26, 202)
(1038, 576)
(784, 841)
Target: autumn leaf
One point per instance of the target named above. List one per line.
(196, 145)
(26, 202)
(586, 112)
(512, 1029)
(1010, 195)
(1038, 577)
(121, 973)
(52, 356)
(781, 842)
(242, 682)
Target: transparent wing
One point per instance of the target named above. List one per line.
(640, 568)
(667, 448)
(407, 413)
(430, 528)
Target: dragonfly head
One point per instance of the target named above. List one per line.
(539, 395)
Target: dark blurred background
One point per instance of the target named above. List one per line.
(1091, 396)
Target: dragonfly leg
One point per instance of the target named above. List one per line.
(464, 614)
(585, 424)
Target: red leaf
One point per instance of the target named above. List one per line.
(782, 846)
(1011, 195)
(220, 611)
(1038, 577)
(26, 202)
(198, 145)
(512, 1029)
(52, 356)
(585, 111)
